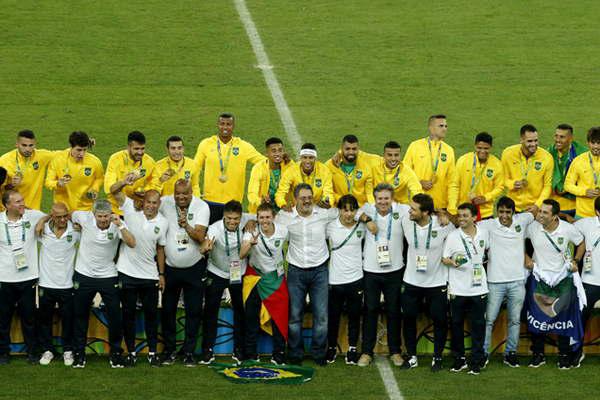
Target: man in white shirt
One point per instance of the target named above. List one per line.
(467, 286)
(141, 269)
(18, 272)
(425, 278)
(506, 274)
(185, 268)
(58, 239)
(96, 272)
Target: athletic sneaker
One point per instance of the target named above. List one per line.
(46, 358)
(33, 359)
(436, 364)
(577, 358)
(511, 359)
(365, 360)
(79, 361)
(130, 360)
(321, 362)
(410, 362)
(278, 359)
(352, 356)
(460, 364)
(475, 369)
(116, 361)
(237, 356)
(188, 360)
(537, 360)
(153, 360)
(564, 362)
(68, 358)
(396, 359)
(331, 355)
(168, 358)
(485, 361)
(207, 357)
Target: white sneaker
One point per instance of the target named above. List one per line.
(68, 358)
(46, 358)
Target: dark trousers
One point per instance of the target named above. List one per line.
(351, 296)
(215, 285)
(252, 317)
(147, 291)
(49, 298)
(436, 299)
(85, 288)
(460, 306)
(538, 340)
(19, 296)
(390, 284)
(191, 281)
(216, 211)
(592, 293)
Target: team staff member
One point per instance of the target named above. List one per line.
(18, 272)
(308, 171)
(58, 239)
(75, 175)
(352, 173)
(223, 158)
(26, 168)
(141, 269)
(132, 161)
(95, 272)
(527, 171)
(173, 167)
(185, 268)
(479, 178)
(583, 179)
(390, 169)
(432, 159)
(266, 175)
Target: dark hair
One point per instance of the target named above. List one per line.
(469, 206)
(593, 135)
(265, 207)
(434, 117)
(527, 128)
(2, 175)
(173, 139)
(597, 204)
(391, 145)
(232, 206)
(300, 187)
(26, 133)
(6, 196)
(383, 186)
(79, 138)
(273, 140)
(565, 127)
(347, 200)
(308, 146)
(425, 202)
(506, 202)
(484, 137)
(555, 205)
(350, 139)
(136, 136)
(226, 116)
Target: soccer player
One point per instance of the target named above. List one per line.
(467, 287)
(58, 238)
(185, 268)
(75, 175)
(26, 168)
(506, 274)
(266, 175)
(527, 171)
(18, 272)
(345, 236)
(309, 171)
(96, 272)
(141, 269)
(432, 160)
(224, 180)
(173, 167)
(479, 178)
(132, 161)
(352, 174)
(424, 278)
(583, 179)
(390, 169)
(563, 151)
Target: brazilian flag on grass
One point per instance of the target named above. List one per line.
(264, 373)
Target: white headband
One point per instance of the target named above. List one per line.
(308, 152)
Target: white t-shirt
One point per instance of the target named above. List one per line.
(226, 248)
(12, 245)
(435, 273)
(345, 264)
(139, 262)
(461, 280)
(181, 250)
(590, 229)
(393, 221)
(506, 256)
(545, 255)
(57, 257)
(97, 248)
(260, 259)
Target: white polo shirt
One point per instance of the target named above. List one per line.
(590, 229)
(460, 280)
(57, 257)
(97, 248)
(307, 236)
(345, 264)
(139, 262)
(545, 255)
(506, 256)
(226, 248)
(181, 250)
(11, 239)
(260, 259)
(436, 273)
(393, 221)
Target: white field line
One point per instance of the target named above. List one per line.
(387, 376)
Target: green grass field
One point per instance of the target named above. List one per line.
(374, 68)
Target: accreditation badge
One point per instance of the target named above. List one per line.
(477, 273)
(421, 263)
(20, 259)
(280, 270)
(383, 256)
(235, 272)
(587, 261)
(183, 240)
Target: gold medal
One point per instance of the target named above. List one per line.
(472, 195)
(18, 174)
(67, 177)
(223, 178)
(171, 172)
(524, 182)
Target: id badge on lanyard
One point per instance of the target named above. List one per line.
(383, 256)
(477, 270)
(421, 263)
(235, 271)
(587, 261)
(20, 259)
(183, 240)
(280, 270)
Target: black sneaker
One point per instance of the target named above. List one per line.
(130, 360)
(188, 360)
(4, 359)
(511, 359)
(564, 362)
(331, 355)
(436, 364)
(116, 361)
(352, 356)
(153, 360)
(460, 364)
(537, 360)
(321, 362)
(485, 360)
(278, 359)
(475, 369)
(33, 359)
(207, 357)
(79, 361)
(410, 363)
(237, 357)
(168, 358)
(577, 357)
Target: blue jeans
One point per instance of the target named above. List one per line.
(313, 281)
(514, 293)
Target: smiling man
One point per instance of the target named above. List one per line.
(173, 167)
(391, 170)
(583, 179)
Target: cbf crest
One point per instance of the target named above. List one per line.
(537, 165)
(359, 174)
(489, 173)
(318, 182)
(235, 151)
(87, 171)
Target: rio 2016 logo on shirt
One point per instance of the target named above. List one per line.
(87, 171)
(156, 229)
(443, 157)
(537, 165)
(277, 243)
(235, 151)
(561, 240)
(518, 228)
(489, 173)
(318, 182)
(35, 165)
(358, 174)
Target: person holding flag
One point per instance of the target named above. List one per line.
(173, 167)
